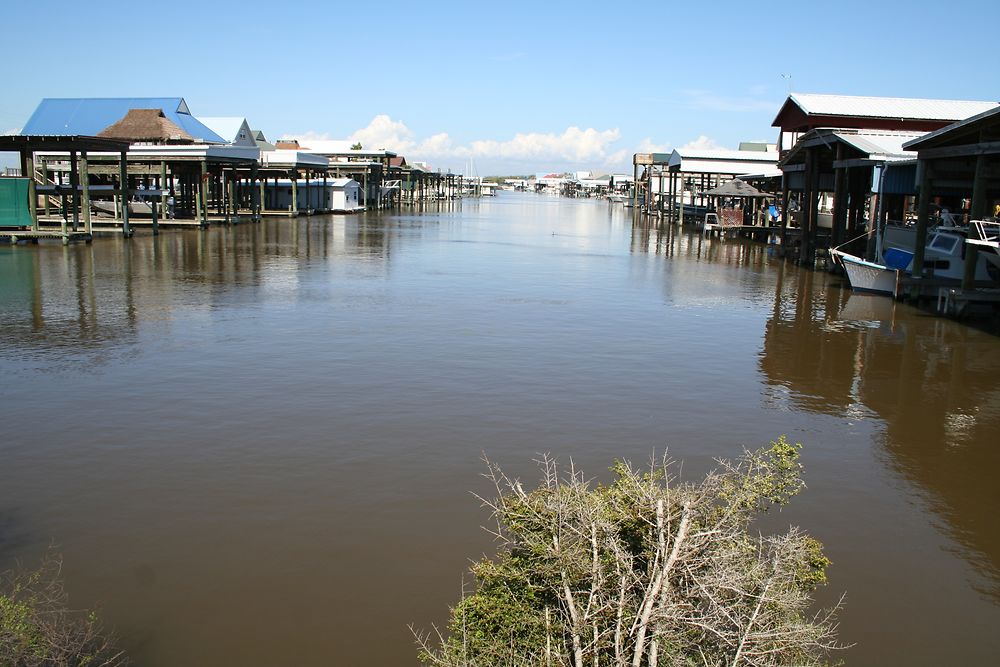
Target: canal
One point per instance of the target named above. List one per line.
(258, 444)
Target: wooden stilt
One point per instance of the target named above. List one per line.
(923, 218)
(123, 187)
(85, 193)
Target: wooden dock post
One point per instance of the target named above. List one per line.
(45, 179)
(202, 194)
(232, 201)
(85, 186)
(923, 217)
(163, 187)
(28, 171)
(840, 175)
(295, 193)
(123, 178)
(977, 210)
(260, 198)
(152, 212)
(74, 183)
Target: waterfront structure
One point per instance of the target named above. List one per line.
(197, 170)
(961, 160)
(280, 172)
(670, 181)
(19, 210)
(802, 112)
(833, 145)
(88, 116)
(835, 177)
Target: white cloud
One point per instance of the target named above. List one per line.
(575, 145)
(703, 143)
(648, 146)
(13, 130)
(384, 133)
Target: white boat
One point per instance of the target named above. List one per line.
(943, 253)
(866, 276)
(985, 235)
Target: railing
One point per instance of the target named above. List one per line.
(985, 230)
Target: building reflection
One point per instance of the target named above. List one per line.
(60, 301)
(932, 382)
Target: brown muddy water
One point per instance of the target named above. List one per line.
(256, 445)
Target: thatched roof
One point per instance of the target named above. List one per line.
(147, 125)
(735, 188)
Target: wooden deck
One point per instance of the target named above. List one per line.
(13, 236)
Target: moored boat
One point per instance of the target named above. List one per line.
(866, 276)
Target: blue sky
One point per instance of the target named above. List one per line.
(512, 87)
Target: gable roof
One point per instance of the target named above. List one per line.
(956, 131)
(90, 115)
(234, 129)
(146, 125)
(875, 145)
(897, 108)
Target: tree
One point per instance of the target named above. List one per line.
(37, 626)
(644, 571)
(356, 146)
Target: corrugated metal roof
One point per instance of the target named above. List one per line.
(90, 115)
(715, 167)
(291, 158)
(880, 143)
(889, 107)
(725, 155)
(935, 136)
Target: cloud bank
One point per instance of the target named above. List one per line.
(590, 147)
(573, 145)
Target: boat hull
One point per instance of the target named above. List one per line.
(867, 276)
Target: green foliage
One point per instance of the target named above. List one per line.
(603, 573)
(37, 627)
(356, 146)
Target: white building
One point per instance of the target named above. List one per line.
(233, 129)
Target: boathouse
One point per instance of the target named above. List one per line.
(961, 160)
(20, 216)
(90, 115)
(174, 162)
(280, 188)
(681, 178)
(802, 112)
(834, 147)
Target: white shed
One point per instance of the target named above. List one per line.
(345, 195)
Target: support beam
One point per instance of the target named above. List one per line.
(840, 180)
(977, 211)
(85, 194)
(123, 182)
(923, 219)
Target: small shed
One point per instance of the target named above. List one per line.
(345, 195)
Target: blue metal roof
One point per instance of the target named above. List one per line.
(90, 115)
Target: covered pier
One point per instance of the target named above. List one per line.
(830, 187)
(21, 216)
(961, 162)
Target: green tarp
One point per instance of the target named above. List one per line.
(14, 210)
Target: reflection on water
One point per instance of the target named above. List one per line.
(264, 436)
(933, 384)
